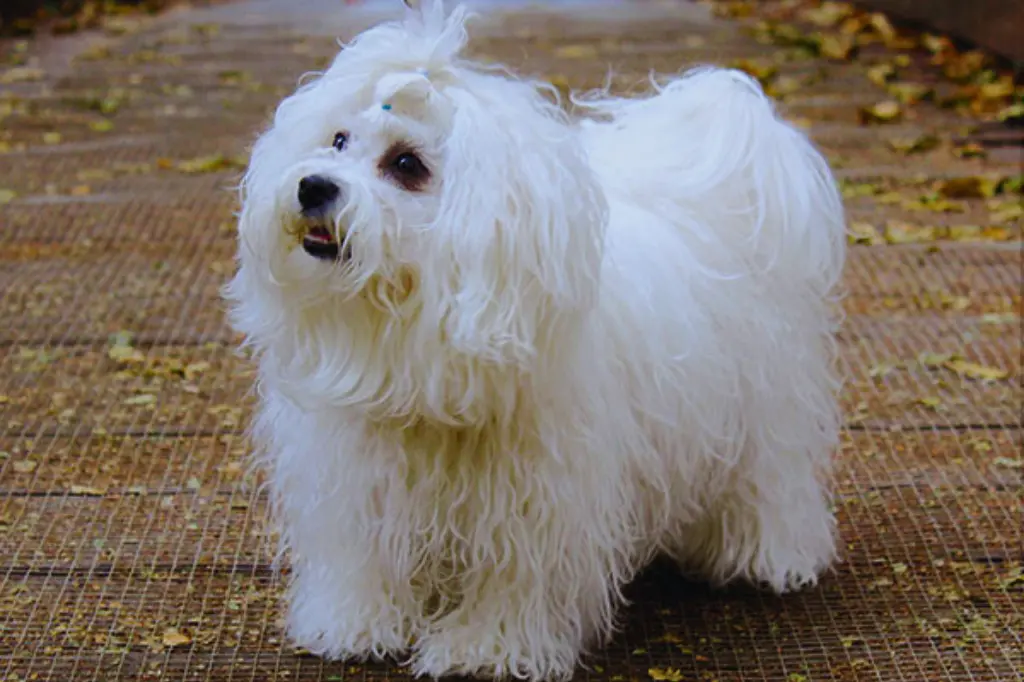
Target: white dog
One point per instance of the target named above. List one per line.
(505, 359)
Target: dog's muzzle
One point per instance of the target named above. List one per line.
(317, 195)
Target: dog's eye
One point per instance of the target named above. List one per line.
(409, 164)
(405, 168)
(340, 140)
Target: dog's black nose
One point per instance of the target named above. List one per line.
(315, 192)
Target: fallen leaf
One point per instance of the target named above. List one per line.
(883, 27)
(970, 187)
(7, 196)
(880, 370)
(22, 74)
(950, 302)
(971, 150)
(973, 370)
(934, 359)
(930, 402)
(828, 14)
(88, 491)
(52, 138)
(1011, 113)
(665, 674)
(899, 568)
(207, 164)
(880, 74)
(1009, 463)
(935, 44)
(173, 637)
(1003, 87)
(1000, 318)
(882, 112)
(865, 233)
(964, 66)
(908, 93)
(900, 232)
(80, 190)
(142, 399)
(101, 126)
(836, 46)
(914, 145)
(1007, 213)
(24, 466)
(761, 69)
(576, 52)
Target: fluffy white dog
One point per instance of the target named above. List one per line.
(506, 358)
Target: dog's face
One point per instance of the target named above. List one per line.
(423, 211)
(346, 184)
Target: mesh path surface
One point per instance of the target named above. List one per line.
(132, 541)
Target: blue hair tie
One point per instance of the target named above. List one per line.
(386, 107)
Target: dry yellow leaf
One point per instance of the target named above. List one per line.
(1000, 88)
(89, 491)
(977, 233)
(880, 74)
(865, 233)
(7, 196)
(969, 187)
(971, 150)
(882, 112)
(173, 637)
(24, 466)
(576, 52)
(883, 27)
(207, 164)
(80, 190)
(52, 138)
(914, 145)
(761, 69)
(836, 46)
(900, 232)
(828, 14)
(909, 93)
(101, 126)
(973, 370)
(1007, 213)
(1012, 112)
(665, 675)
(934, 43)
(22, 74)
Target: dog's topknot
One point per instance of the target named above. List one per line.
(428, 38)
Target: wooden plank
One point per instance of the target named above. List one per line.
(997, 25)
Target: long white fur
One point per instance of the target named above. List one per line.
(581, 345)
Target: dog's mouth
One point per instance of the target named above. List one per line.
(320, 243)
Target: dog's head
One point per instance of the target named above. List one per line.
(408, 214)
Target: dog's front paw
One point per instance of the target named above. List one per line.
(353, 627)
(493, 652)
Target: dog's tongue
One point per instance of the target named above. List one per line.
(320, 235)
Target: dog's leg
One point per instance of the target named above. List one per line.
(349, 596)
(528, 609)
(340, 609)
(771, 526)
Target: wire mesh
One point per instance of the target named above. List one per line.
(132, 540)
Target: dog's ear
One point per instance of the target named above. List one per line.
(524, 220)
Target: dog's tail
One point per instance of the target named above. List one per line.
(708, 152)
